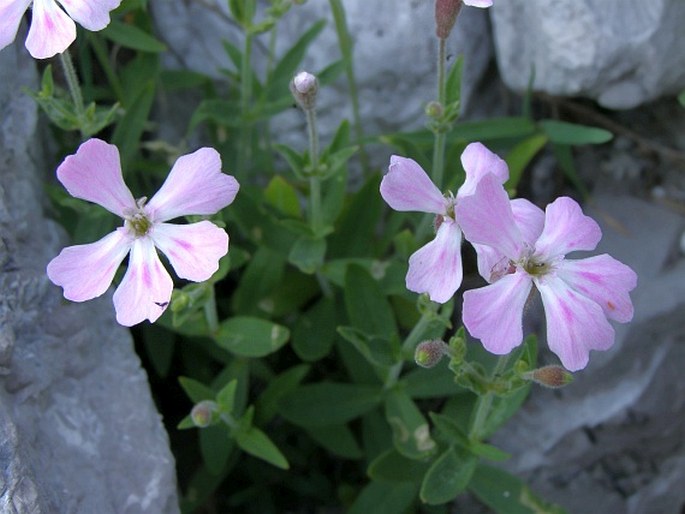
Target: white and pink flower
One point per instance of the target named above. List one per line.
(52, 29)
(527, 247)
(195, 186)
(436, 268)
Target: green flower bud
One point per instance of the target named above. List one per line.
(553, 376)
(429, 353)
(203, 413)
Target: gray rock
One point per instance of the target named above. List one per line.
(395, 54)
(612, 440)
(621, 53)
(79, 432)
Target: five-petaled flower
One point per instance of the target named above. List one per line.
(195, 186)
(528, 247)
(436, 267)
(52, 30)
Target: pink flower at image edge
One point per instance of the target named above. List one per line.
(579, 296)
(195, 186)
(52, 29)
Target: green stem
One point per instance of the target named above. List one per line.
(314, 179)
(345, 43)
(74, 88)
(484, 403)
(211, 314)
(409, 344)
(440, 136)
(245, 98)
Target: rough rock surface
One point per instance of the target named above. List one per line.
(621, 53)
(79, 432)
(394, 56)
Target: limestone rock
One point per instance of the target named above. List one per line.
(79, 432)
(621, 53)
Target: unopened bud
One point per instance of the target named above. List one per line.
(203, 413)
(179, 301)
(429, 353)
(434, 109)
(304, 88)
(550, 376)
(446, 12)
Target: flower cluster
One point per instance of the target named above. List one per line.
(195, 186)
(52, 29)
(519, 247)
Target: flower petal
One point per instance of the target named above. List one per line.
(566, 230)
(435, 268)
(11, 13)
(86, 271)
(406, 187)
(51, 31)
(91, 14)
(603, 280)
(145, 291)
(479, 3)
(529, 218)
(494, 313)
(477, 162)
(575, 324)
(193, 250)
(486, 218)
(493, 264)
(195, 185)
(94, 174)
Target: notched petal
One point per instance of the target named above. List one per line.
(406, 187)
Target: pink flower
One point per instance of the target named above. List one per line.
(528, 247)
(195, 185)
(52, 29)
(436, 267)
(478, 3)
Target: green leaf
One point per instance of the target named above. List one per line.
(226, 396)
(307, 254)
(430, 383)
(223, 112)
(314, 331)
(565, 133)
(453, 86)
(367, 306)
(506, 494)
(328, 403)
(173, 80)
(282, 197)
(448, 476)
(267, 404)
(453, 434)
(337, 439)
(216, 447)
(195, 390)
(263, 274)
(294, 159)
(378, 351)
(257, 443)
(392, 466)
(130, 36)
(520, 156)
(251, 337)
(410, 430)
(285, 69)
(186, 423)
(681, 98)
(130, 128)
(503, 407)
(384, 498)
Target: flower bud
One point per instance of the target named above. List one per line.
(429, 353)
(304, 88)
(446, 12)
(550, 376)
(203, 413)
(434, 110)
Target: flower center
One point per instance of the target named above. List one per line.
(536, 268)
(136, 219)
